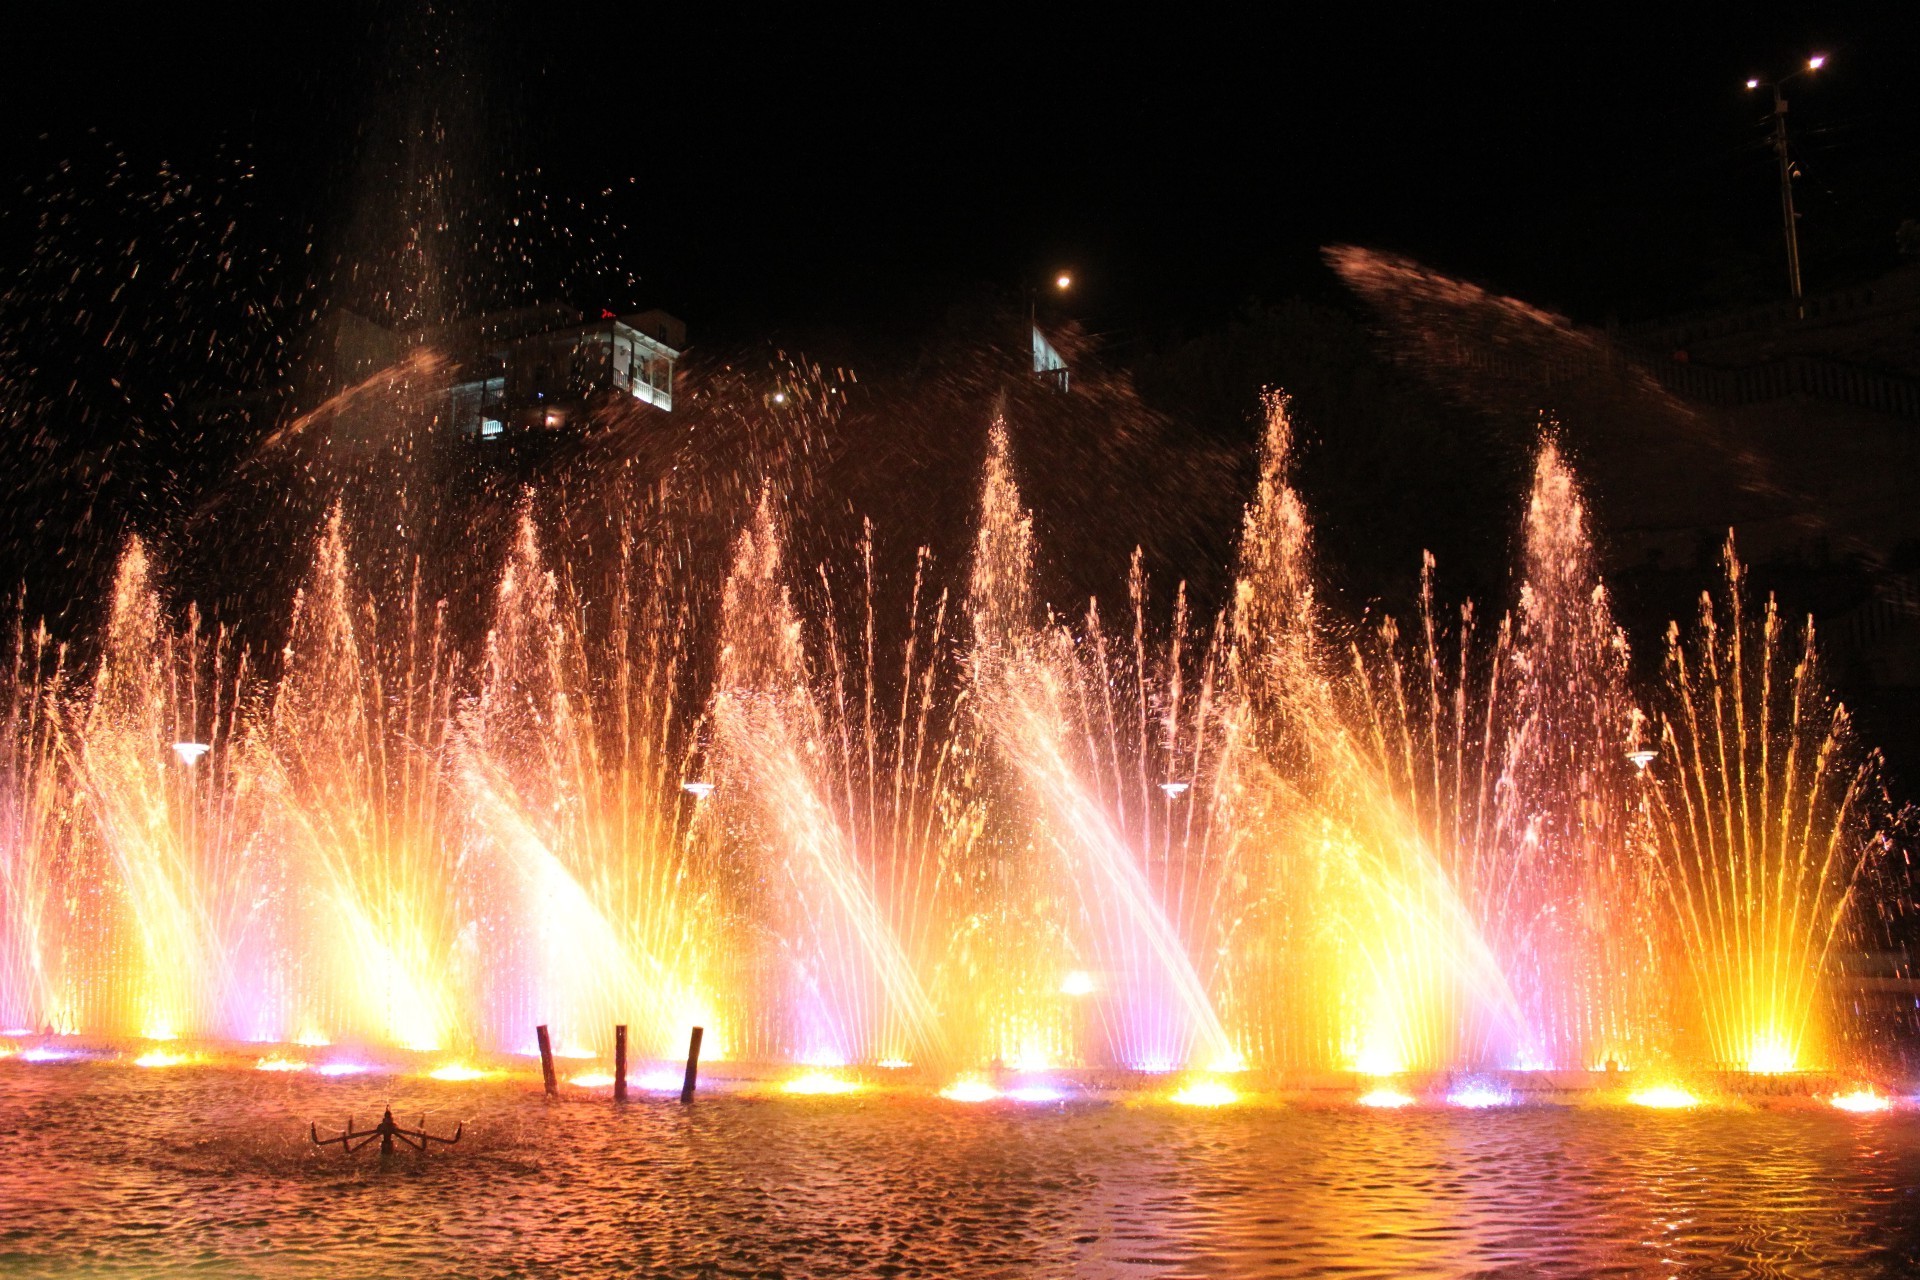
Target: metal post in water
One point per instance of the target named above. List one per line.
(620, 1063)
(693, 1064)
(546, 1059)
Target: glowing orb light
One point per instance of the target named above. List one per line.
(1386, 1096)
(1206, 1093)
(1862, 1100)
(820, 1082)
(1664, 1096)
(970, 1089)
(275, 1062)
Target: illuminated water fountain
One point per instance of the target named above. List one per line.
(978, 839)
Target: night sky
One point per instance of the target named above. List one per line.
(808, 170)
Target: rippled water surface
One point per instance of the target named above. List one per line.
(107, 1170)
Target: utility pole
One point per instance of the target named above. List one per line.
(1788, 218)
(1786, 201)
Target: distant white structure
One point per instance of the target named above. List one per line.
(1048, 365)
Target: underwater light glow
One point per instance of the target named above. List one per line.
(1479, 1096)
(342, 1068)
(1862, 1100)
(456, 1072)
(820, 1082)
(1077, 983)
(1663, 1096)
(661, 1082)
(1385, 1096)
(161, 1058)
(1206, 1093)
(1036, 1093)
(970, 1089)
(1770, 1055)
(894, 1064)
(47, 1055)
(277, 1063)
(592, 1080)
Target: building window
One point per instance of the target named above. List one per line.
(478, 407)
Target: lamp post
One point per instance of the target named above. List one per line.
(1787, 215)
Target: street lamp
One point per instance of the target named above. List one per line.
(1787, 216)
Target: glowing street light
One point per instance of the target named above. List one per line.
(1787, 215)
(1063, 282)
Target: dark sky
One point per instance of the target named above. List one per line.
(809, 169)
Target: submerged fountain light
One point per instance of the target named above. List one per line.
(592, 1080)
(894, 1064)
(970, 1089)
(457, 1072)
(1770, 1055)
(820, 1082)
(1386, 1096)
(1206, 1093)
(1666, 1097)
(1862, 1100)
(1477, 1097)
(312, 1039)
(661, 1082)
(1078, 982)
(342, 1068)
(162, 1058)
(43, 1054)
(1038, 1092)
(277, 1063)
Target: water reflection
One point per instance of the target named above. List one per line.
(116, 1171)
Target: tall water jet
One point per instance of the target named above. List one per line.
(44, 959)
(1767, 815)
(851, 993)
(574, 797)
(1059, 732)
(154, 753)
(359, 726)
